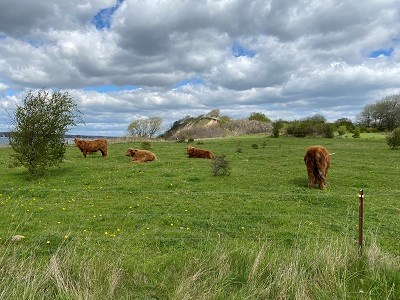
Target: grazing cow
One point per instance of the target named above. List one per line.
(193, 152)
(91, 146)
(139, 156)
(317, 160)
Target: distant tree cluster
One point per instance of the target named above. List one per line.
(311, 126)
(384, 115)
(260, 117)
(145, 127)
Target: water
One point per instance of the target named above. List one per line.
(4, 141)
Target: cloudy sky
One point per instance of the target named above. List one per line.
(127, 59)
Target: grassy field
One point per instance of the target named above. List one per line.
(106, 228)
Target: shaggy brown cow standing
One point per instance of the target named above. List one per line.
(193, 152)
(139, 156)
(317, 160)
(91, 146)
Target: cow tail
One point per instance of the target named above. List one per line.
(317, 165)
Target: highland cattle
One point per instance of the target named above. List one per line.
(193, 152)
(91, 146)
(139, 156)
(317, 160)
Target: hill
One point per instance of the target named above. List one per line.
(212, 125)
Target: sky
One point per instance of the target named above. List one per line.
(122, 60)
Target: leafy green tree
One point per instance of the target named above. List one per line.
(344, 122)
(146, 127)
(39, 127)
(259, 117)
(393, 139)
(384, 114)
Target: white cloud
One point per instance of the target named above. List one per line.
(308, 56)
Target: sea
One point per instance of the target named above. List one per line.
(4, 141)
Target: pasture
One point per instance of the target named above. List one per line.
(107, 228)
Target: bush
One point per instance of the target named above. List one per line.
(328, 131)
(254, 146)
(221, 166)
(356, 132)
(342, 130)
(276, 127)
(393, 139)
(239, 148)
(145, 145)
(40, 125)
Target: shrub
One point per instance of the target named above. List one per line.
(145, 145)
(220, 166)
(190, 140)
(356, 132)
(276, 127)
(393, 139)
(328, 131)
(40, 125)
(239, 148)
(342, 130)
(254, 146)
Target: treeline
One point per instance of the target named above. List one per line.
(382, 116)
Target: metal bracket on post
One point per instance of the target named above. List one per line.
(360, 221)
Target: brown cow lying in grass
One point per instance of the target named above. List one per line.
(139, 156)
(92, 146)
(317, 160)
(199, 153)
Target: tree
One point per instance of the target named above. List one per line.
(344, 122)
(259, 117)
(145, 127)
(384, 114)
(40, 124)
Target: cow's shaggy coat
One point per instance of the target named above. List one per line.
(193, 152)
(92, 146)
(139, 156)
(317, 160)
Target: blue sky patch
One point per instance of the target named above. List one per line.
(109, 88)
(380, 52)
(190, 81)
(238, 50)
(103, 18)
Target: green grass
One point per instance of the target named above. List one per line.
(108, 228)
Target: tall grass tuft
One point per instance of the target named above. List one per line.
(67, 274)
(317, 269)
(322, 270)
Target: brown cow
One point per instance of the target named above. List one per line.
(92, 146)
(193, 152)
(139, 156)
(317, 160)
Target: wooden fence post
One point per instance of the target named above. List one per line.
(360, 221)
